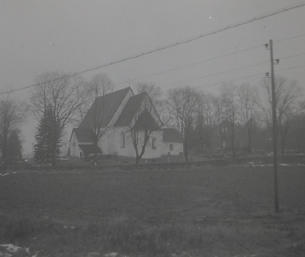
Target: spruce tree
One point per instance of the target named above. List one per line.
(14, 151)
(46, 149)
(40, 148)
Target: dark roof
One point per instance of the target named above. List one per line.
(88, 149)
(172, 135)
(84, 135)
(130, 110)
(103, 109)
(146, 121)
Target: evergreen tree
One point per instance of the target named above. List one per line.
(40, 148)
(14, 147)
(46, 149)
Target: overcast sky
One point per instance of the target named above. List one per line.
(70, 35)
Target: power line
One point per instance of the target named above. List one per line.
(292, 56)
(165, 71)
(206, 60)
(280, 40)
(168, 46)
(252, 65)
(263, 75)
(192, 64)
(259, 74)
(180, 67)
(230, 70)
(292, 68)
(204, 35)
(254, 77)
(216, 73)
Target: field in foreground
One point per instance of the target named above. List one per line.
(207, 211)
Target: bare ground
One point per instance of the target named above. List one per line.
(207, 211)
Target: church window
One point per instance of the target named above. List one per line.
(123, 139)
(153, 143)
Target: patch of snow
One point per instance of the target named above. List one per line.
(261, 165)
(69, 227)
(113, 254)
(11, 248)
(8, 173)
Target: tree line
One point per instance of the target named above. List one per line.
(234, 120)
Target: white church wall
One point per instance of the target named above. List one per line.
(173, 148)
(154, 147)
(75, 151)
(112, 143)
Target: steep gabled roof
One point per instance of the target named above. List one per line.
(172, 135)
(103, 109)
(146, 121)
(130, 110)
(84, 135)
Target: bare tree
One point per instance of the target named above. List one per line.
(83, 93)
(10, 116)
(59, 92)
(217, 121)
(142, 126)
(100, 85)
(287, 96)
(140, 134)
(297, 125)
(202, 138)
(160, 102)
(208, 114)
(207, 109)
(231, 115)
(247, 99)
(154, 92)
(184, 104)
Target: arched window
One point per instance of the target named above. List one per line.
(123, 140)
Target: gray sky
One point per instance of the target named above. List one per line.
(70, 35)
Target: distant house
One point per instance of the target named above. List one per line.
(107, 128)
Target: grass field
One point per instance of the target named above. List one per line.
(206, 211)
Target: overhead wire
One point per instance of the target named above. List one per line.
(165, 47)
(259, 74)
(181, 67)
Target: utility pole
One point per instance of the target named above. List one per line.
(274, 125)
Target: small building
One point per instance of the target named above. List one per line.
(172, 141)
(116, 124)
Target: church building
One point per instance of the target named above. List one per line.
(120, 123)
